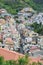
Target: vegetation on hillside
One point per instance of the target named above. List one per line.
(32, 3)
(20, 61)
(38, 27)
(13, 6)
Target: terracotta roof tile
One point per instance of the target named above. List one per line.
(9, 55)
(9, 41)
(12, 55)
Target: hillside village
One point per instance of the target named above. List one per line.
(16, 34)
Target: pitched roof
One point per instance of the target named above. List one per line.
(9, 55)
(9, 41)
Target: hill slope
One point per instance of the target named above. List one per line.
(35, 4)
(13, 6)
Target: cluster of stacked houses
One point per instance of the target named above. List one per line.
(18, 37)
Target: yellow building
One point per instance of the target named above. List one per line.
(2, 21)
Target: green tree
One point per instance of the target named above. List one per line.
(11, 62)
(7, 63)
(23, 61)
(34, 63)
(2, 62)
(38, 27)
(39, 63)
